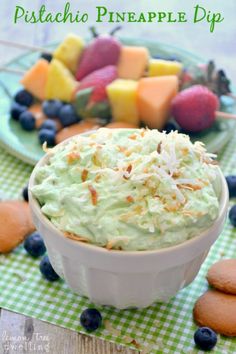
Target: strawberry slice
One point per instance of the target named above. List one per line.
(98, 80)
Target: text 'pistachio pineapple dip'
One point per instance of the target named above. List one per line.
(129, 189)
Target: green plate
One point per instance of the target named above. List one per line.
(25, 145)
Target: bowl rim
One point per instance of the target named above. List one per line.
(35, 207)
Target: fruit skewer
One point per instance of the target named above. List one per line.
(225, 115)
(24, 46)
(218, 114)
(12, 70)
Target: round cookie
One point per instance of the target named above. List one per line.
(75, 129)
(217, 310)
(222, 276)
(16, 224)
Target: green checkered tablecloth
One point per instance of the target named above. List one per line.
(161, 328)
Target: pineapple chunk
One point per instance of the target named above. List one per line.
(159, 67)
(122, 95)
(69, 51)
(61, 83)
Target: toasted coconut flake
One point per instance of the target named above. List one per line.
(159, 147)
(193, 187)
(143, 132)
(94, 195)
(127, 153)
(72, 156)
(111, 244)
(185, 186)
(84, 175)
(128, 171)
(45, 147)
(133, 136)
(192, 213)
(76, 237)
(176, 174)
(121, 148)
(130, 199)
(174, 207)
(185, 151)
(95, 159)
(212, 162)
(97, 178)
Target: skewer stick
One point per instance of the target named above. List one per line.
(231, 95)
(225, 115)
(12, 71)
(24, 46)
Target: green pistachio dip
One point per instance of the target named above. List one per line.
(129, 189)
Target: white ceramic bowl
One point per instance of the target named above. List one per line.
(125, 278)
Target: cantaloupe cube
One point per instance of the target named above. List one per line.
(159, 67)
(133, 62)
(154, 99)
(122, 95)
(69, 51)
(35, 79)
(61, 83)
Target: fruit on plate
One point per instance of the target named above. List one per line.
(118, 125)
(91, 95)
(102, 51)
(16, 110)
(207, 75)
(194, 108)
(98, 80)
(35, 79)
(47, 136)
(61, 83)
(154, 99)
(67, 115)
(69, 51)
(75, 129)
(122, 96)
(36, 110)
(133, 62)
(85, 109)
(51, 108)
(160, 67)
(24, 98)
(27, 121)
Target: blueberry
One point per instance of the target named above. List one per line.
(34, 245)
(49, 124)
(48, 136)
(24, 98)
(173, 58)
(27, 121)
(16, 110)
(67, 115)
(47, 270)
(205, 338)
(46, 56)
(231, 181)
(51, 108)
(232, 215)
(169, 127)
(25, 193)
(91, 319)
